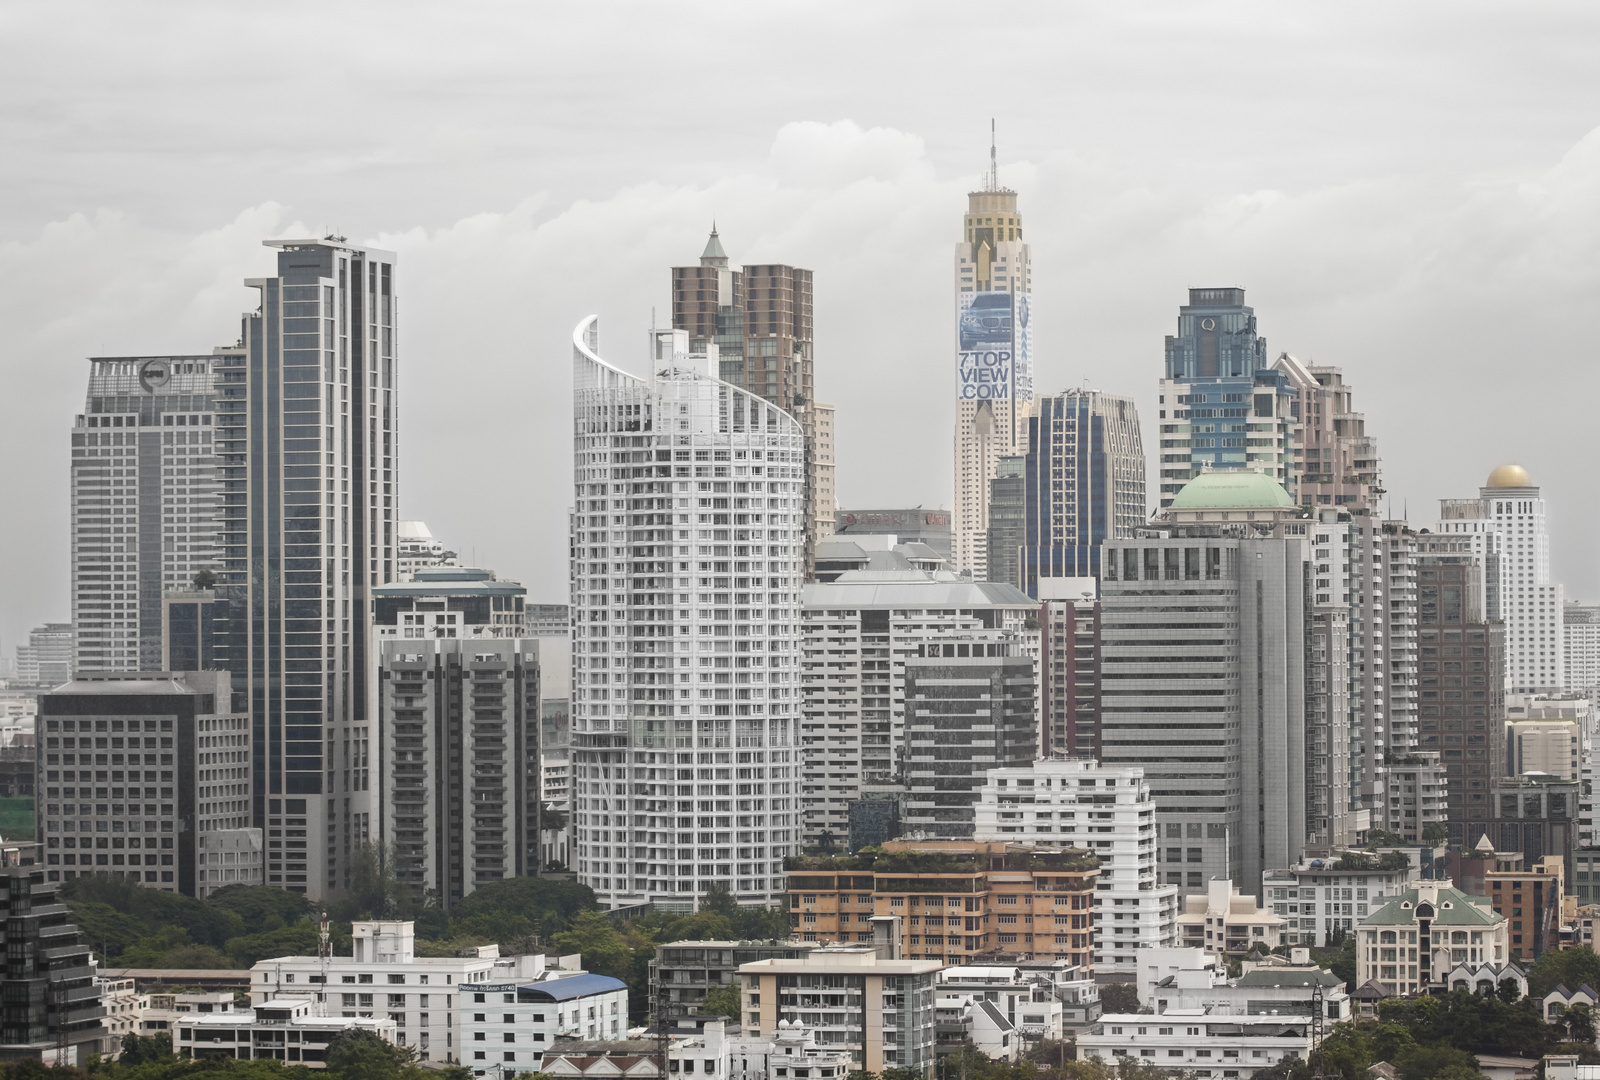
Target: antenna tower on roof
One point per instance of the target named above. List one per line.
(994, 166)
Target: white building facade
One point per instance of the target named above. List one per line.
(506, 1027)
(145, 514)
(1321, 899)
(1108, 811)
(1202, 1045)
(859, 631)
(384, 979)
(1510, 508)
(687, 562)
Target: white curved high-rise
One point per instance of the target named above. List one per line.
(686, 567)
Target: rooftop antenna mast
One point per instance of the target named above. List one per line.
(994, 165)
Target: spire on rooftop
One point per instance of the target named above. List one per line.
(713, 255)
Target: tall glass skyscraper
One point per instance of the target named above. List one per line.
(687, 560)
(1084, 476)
(1221, 405)
(306, 443)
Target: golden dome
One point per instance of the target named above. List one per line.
(1510, 476)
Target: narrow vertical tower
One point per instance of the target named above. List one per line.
(994, 358)
(307, 446)
(687, 536)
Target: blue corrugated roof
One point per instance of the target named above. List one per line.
(574, 986)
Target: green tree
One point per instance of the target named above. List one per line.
(371, 892)
(357, 1054)
(721, 1001)
(1119, 998)
(301, 939)
(1578, 1021)
(605, 950)
(204, 579)
(141, 1049)
(256, 904)
(1429, 1062)
(1574, 967)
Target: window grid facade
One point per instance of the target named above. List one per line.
(687, 559)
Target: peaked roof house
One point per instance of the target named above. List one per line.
(1415, 942)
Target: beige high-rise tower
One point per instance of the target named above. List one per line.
(759, 318)
(994, 359)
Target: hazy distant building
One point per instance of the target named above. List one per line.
(459, 719)
(307, 431)
(1008, 520)
(994, 359)
(145, 506)
(824, 470)
(1221, 405)
(46, 660)
(168, 806)
(1549, 747)
(1581, 640)
(685, 628)
(1531, 606)
(416, 548)
(759, 318)
(1338, 461)
(1084, 484)
(914, 525)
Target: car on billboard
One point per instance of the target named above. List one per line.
(987, 321)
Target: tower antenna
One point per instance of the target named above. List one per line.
(994, 167)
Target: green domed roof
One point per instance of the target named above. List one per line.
(1231, 489)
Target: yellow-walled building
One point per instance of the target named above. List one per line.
(957, 901)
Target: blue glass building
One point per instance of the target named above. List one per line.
(1083, 478)
(1221, 404)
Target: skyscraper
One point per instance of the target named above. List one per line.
(688, 530)
(1084, 471)
(306, 434)
(1337, 460)
(1506, 522)
(1211, 604)
(1221, 405)
(459, 731)
(760, 320)
(144, 502)
(868, 623)
(994, 359)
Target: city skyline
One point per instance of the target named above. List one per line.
(1356, 250)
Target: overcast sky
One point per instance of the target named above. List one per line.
(1410, 191)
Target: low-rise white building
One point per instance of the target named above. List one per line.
(1158, 965)
(385, 979)
(1029, 1005)
(1199, 1044)
(1283, 987)
(790, 1053)
(1107, 810)
(288, 1029)
(1320, 898)
(1223, 920)
(507, 1026)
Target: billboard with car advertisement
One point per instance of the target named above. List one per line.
(994, 343)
